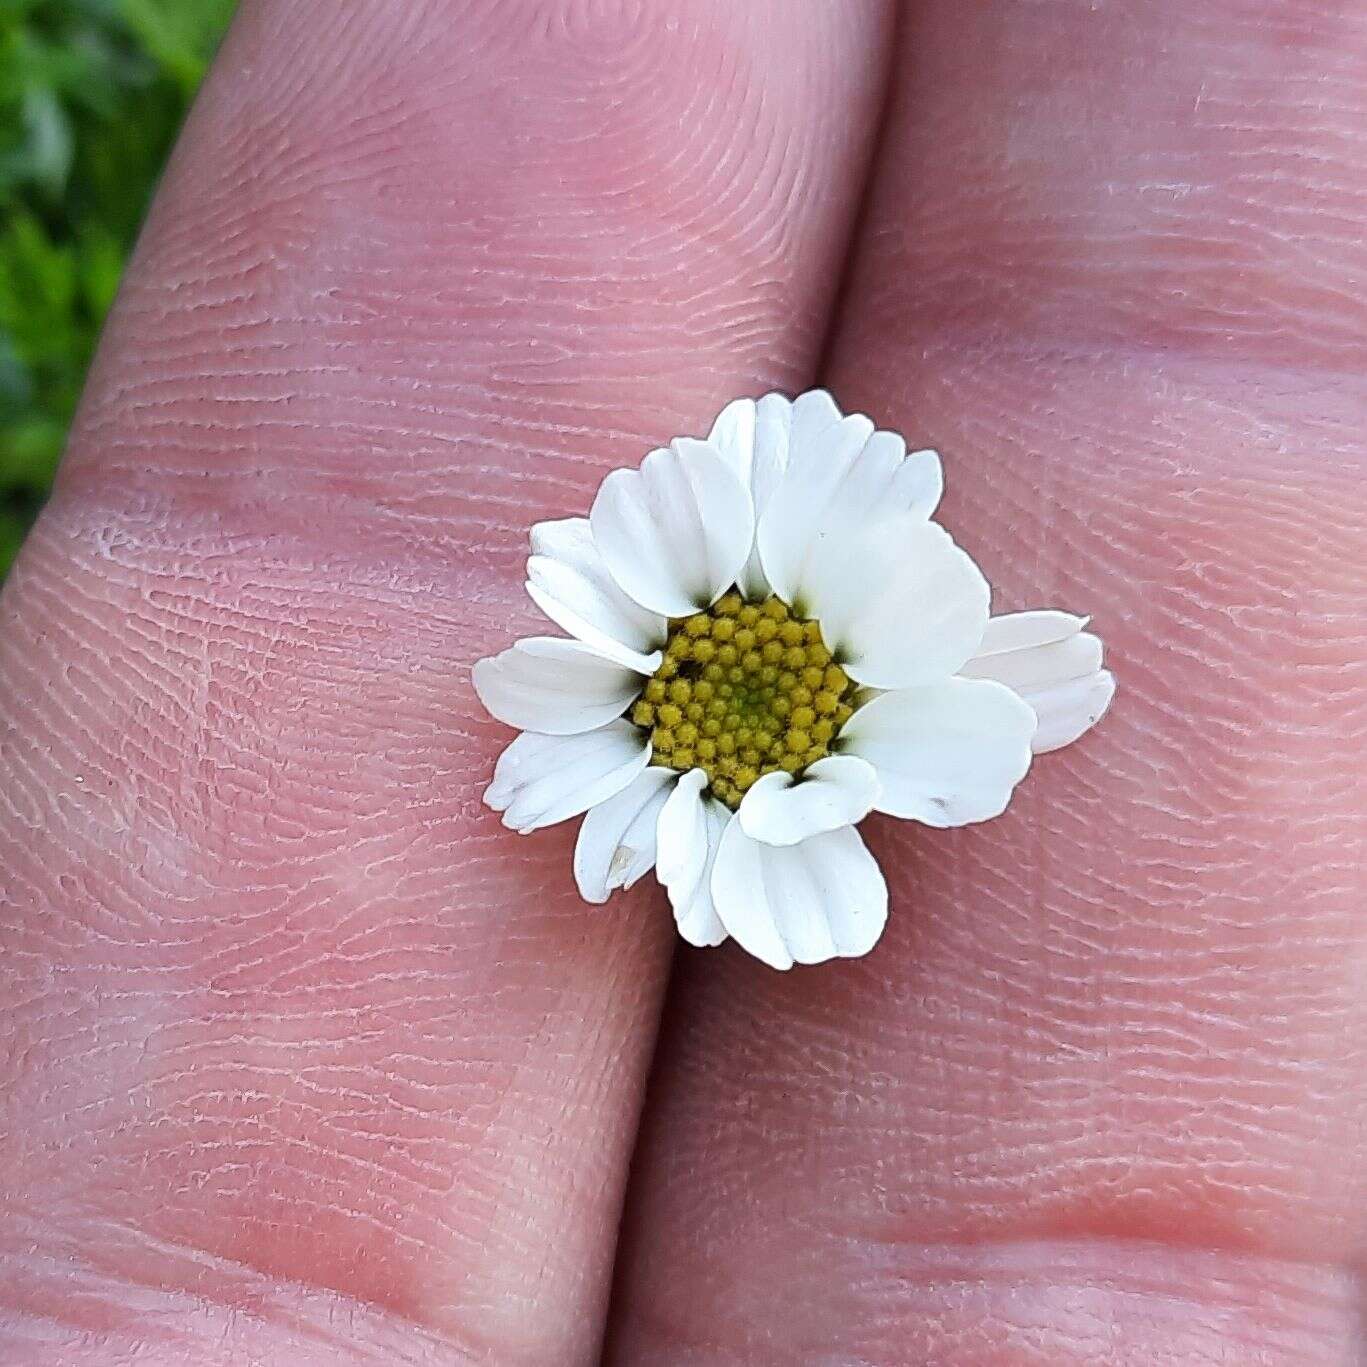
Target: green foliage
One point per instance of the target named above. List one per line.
(92, 93)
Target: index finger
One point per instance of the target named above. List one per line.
(291, 1022)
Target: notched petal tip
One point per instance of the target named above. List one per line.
(823, 898)
(1067, 711)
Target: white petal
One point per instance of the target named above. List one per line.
(839, 790)
(946, 754)
(839, 477)
(920, 483)
(733, 436)
(1039, 666)
(616, 844)
(674, 533)
(1020, 630)
(773, 431)
(819, 457)
(568, 581)
(824, 898)
(557, 687)
(1069, 710)
(898, 602)
(540, 780)
(1054, 665)
(753, 436)
(811, 417)
(688, 834)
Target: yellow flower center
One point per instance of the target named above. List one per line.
(744, 689)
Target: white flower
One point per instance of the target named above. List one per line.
(770, 639)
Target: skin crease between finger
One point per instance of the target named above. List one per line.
(307, 1059)
(1099, 1095)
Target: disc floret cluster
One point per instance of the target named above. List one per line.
(744, 689)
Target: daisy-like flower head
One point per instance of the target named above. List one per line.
(769, 639)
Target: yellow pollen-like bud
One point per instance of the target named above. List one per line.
(744, 689)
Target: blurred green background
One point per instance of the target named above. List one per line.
(92, 94)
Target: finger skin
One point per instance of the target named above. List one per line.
(1099, 1096)
(307, 1059)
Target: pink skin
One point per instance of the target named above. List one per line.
(1099, 1097)
(307, 1061)
(308, 1057)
